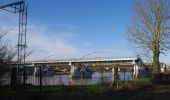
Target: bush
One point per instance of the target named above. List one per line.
(134, 84)
(104, 81)
(4, 68)
(161, 77)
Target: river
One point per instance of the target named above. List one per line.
(97, 77)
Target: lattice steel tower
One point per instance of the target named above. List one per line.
(21, 8)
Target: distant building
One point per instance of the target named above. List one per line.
(163, 67)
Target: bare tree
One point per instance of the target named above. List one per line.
(7, 53)
(150, 28)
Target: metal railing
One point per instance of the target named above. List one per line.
(85, 59)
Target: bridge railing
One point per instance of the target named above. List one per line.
(101, 58)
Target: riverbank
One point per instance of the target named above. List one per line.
(89, 92)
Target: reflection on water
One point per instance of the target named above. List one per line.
(64, 79)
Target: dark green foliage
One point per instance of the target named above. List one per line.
(161, 78)
(139, 89)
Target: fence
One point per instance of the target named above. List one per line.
(62, 79)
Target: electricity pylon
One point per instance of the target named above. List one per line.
(21, 8)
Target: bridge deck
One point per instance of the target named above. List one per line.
(90, 62)
(85, 60)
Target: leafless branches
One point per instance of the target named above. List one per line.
(150, 27)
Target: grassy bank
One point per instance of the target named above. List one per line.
(129, 90)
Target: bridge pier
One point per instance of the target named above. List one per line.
(115, 75)
(135, 71)
(72, 70)
(35, 70)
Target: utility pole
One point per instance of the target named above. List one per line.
(21, 8)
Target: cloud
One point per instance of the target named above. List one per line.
(43, 39)
(45, 43)
(46, 39)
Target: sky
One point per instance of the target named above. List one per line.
(73, 28)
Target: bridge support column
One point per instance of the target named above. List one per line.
(115, 75)
(35, 70)
(72, 71)
(136, 71)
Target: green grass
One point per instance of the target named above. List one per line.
(140, 89)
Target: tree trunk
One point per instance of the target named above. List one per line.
(156, 68)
